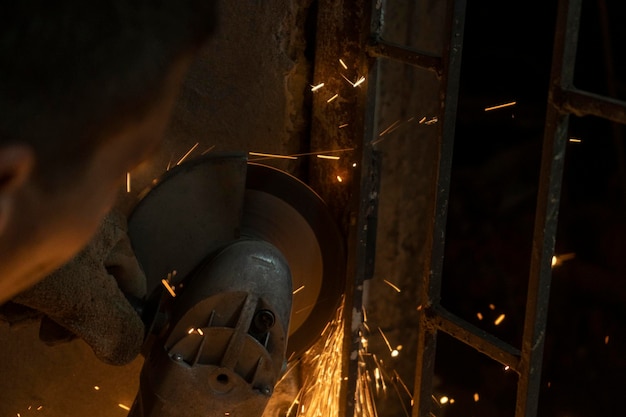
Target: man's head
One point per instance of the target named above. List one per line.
(86, 89)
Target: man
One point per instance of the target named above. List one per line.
(86, 89)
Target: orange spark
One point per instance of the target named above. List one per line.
(395, 287)
(500, 106)
(271, 155)
(317, 87)
(336, 158)
(343, 64)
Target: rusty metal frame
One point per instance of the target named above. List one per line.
(351, 30)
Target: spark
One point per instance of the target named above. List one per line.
(209, 149)
(575, 140)
(332, 98)
(476, 397)
(298, 290)
(385, 339)
(343, 64)
(557, 260)
(200, 332)
(431, 121)
(180, 161)
(389, 129)
(190, 330)
(606, 339)
(499, 319)
(317, 87)
(128, 182)
(271, 155)
(97, 388)
(343, 125)
(354, 165)
(339, 178)
(444, 400)
(124, 407)
(359, 82)
(422, 120)
(169, 164)
(39, 408)
(507, 367)
(336, 158)
(169, 288)
(501, 106)
(492, 306)
(479, 315)
(395, 287)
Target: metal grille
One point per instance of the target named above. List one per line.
(344, 30)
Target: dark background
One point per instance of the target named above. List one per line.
(507, 57)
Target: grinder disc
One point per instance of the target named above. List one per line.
(284, 211)
(200, 205)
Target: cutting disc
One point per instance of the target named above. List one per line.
(201, 205)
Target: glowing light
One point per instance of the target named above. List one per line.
(501, 106)
(271, 155)
(339, 178)
(507, 367)
(557, 260)
(444, 400)
(606, 339)
(422, 120)
(180, 161)
(395, 353)
(479, 315)
(128, 182)
(431, 121)
(335, 158)
(200, 332)
(386, 340)
(575, 140)
(389, 129)
(332, 98)
(169, 288)
(190, 330)
(39, 408)
(97, 388)
(343, 64)
(492, 306)
(359, 82)
(499, 319)
(343, 125)
(317, 87)
(124, 407)
(392, 285)
(354, 165)
(476, 397)
(298, 290)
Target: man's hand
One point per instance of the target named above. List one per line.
(88, 296)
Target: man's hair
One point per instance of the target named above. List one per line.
(74, 71)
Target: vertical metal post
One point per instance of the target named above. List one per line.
(546, 217)
(343, 32)
(431, 284)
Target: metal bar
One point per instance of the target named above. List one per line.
(343, 30)
(431, 283)
(584, 103)
(475, 337)
(546, 216)
(383, 49)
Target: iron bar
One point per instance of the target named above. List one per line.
(546, 215)
(384, 49)
(584, 103)
(431, 283)
(475, 337)
(343, 30)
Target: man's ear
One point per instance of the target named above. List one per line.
(16, 166)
